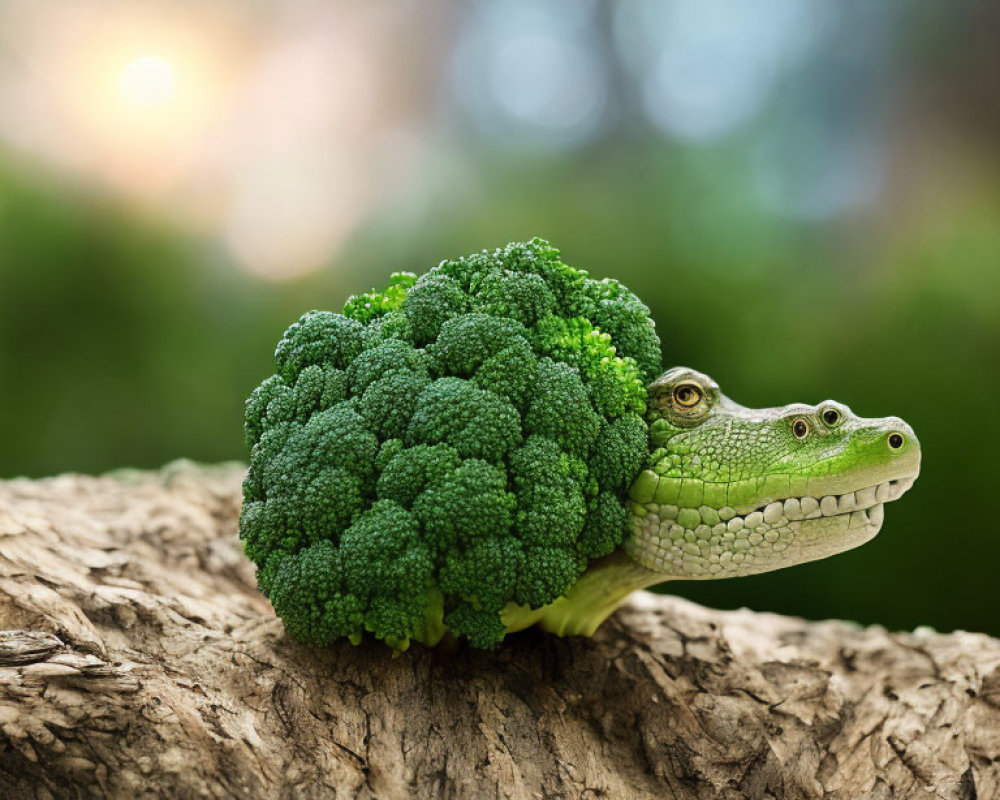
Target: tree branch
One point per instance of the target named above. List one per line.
(139, 658)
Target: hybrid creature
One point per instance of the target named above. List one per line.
(492, 445)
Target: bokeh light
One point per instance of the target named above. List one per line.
(705, 66)
(147, 81)
(530, 74)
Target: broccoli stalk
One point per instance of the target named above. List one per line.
(590, 601)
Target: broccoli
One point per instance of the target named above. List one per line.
(451, 447)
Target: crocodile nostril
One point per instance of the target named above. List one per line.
(895, 440)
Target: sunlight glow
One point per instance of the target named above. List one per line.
(147, 82)
(274, 140)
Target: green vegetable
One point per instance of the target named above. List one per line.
(447, 447)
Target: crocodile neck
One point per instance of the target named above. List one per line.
(605, 585)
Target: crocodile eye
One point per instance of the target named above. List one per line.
(687, 395)
(831, 417)
(800, 428)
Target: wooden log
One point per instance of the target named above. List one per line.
(138, 660)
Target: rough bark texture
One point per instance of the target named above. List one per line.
(140, 661)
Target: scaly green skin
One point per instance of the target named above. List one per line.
(730, 491)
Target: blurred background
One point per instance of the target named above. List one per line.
(806, 193)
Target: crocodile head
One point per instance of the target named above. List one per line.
(729, 490)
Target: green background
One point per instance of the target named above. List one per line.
(126, 339)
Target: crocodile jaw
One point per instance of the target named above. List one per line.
(728, 542)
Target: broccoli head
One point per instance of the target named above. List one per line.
(446, 447)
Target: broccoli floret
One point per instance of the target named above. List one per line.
(547, 574)
(307, 591)
(481, 627)
(256, 420)
(477, 423)
(408, 473)
(625, 318)
(522, 296)
(317, 389)
(465, 342)
(467, 504)
(560, 408)
(433, 300)
(393, 325)
(602, 532)
(389, 567)
(494, 352)
(622, 452)
(388, 404)
(552, 487)
(372, 305)
(484, 574)
(614, 383)
(447, 448)
(319, 337)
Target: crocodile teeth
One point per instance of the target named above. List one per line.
(861, 507)
(810, 508)
(793, 508)
(773, 513)
(865, 498)
(846, 503)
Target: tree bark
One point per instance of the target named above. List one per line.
(139, 660)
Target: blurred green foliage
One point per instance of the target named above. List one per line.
(123, 342)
